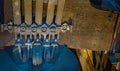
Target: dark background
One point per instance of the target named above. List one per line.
(1, 11)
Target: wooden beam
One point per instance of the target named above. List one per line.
(28, 11)
(8, 11)
(39, 11)
(117, 26)
(16, 11)
(46, 1)
(50, 11)
(59, 14)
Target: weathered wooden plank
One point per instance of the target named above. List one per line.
(28, 11)
(16, 11)
(50, 11)
(8, 11)
(46, 1)
(60, 11)
(84, 59)
(39, 11)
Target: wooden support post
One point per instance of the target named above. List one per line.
(39, 11)
(28, 11)
(16, 11)
(50, 11)
(59, 14)
(46, 1)
(117, 27)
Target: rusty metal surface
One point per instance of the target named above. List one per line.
(92, 28)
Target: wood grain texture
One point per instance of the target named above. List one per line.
(60, 9)
(39, 11)
(50, 11)
(46, 1)
(92, 28)
(16, 11)
(8, 11)
(28, 11)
